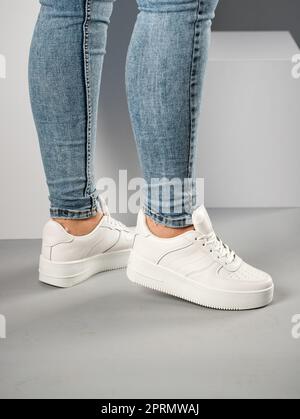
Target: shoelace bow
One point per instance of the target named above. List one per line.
(218, 247)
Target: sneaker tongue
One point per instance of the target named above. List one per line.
(102, 206)
(202, 221)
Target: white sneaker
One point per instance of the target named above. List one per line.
(67, 260)
(196, 266)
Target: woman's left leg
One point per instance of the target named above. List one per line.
(165, 74)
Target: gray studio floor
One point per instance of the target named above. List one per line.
(109, 338)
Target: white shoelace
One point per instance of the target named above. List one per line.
(112, 221)
(115, 223)
(218, 247)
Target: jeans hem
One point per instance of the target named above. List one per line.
(176, 221)
(73, 214)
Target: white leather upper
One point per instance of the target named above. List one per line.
(199, 256)
(109, 236)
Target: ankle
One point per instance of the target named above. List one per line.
(165, 232)
(80, 227)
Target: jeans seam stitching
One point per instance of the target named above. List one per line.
(86, 58)
(191, 93)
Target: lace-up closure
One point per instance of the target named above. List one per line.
(217, 247)
(109, 219)
(115, 223)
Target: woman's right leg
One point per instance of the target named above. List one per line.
(65, 68)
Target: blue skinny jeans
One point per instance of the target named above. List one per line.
(165, 71)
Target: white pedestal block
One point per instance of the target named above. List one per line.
(249, 146)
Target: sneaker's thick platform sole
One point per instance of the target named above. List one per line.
(68, 274)
(147, 274)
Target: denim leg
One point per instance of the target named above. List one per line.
(65, 66)
(165, 72)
